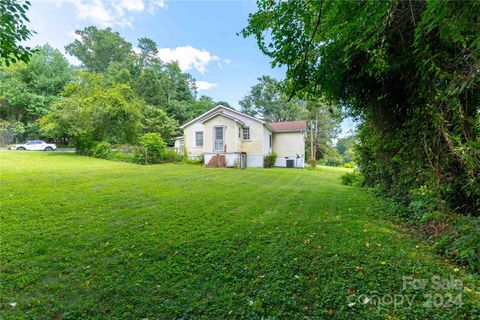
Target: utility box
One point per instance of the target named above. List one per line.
(290, 163)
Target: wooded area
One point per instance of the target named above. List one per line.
(409, 72)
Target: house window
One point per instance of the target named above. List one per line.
(246, 133)
(199, 138)
(240, 132)
(270, 141)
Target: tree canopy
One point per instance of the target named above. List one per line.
(13, 31)
(407, 69)
(268, 100)
(93, 110)
(115, 96)
(98, 48)
(28, 90)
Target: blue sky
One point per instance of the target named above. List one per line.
(201, 35)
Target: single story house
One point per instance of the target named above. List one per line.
(228, 138)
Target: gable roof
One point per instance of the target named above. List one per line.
(217, 108)
(223, 114)
(288, 126)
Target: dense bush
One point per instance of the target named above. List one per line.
(269, 160)
(102, 150)
(461, 242)
(352, 178)
(153, 142)
(451, 234)
(409, 72)
(349, 165)
(152, 149)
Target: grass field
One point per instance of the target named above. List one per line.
(83, 238)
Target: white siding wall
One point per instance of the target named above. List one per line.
(230, 133)
(287, 145)
(254, 161)
(255, 145)
(266, 141)
(189, 139)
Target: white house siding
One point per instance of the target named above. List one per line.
(178, 143)
(253, 147)
(230, 133)
(266, 141)
(287, 145)
(189, 140)
(254, 161)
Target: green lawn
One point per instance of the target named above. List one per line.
(83, 238)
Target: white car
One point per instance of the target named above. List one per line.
(34, 145)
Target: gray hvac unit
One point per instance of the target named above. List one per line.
(290, 163)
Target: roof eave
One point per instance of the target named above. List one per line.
(221, 114)
(205, 114)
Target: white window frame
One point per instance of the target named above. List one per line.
(196, 140)
(222, 149)
(249, 134)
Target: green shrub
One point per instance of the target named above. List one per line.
(312, 162)
(102, 150)
(462, 243)
(425, 204)
(269, 160)
(151, 149)
(451, 234)
(169, 155)
(84, 145)
(349, 165)
(153, 142)
(352, 178)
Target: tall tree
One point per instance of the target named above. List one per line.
(345, 147)
(267, 100)
(156, 120)
(13, 31)
(28, 90)
(98, 48)
(93, 110)
(148, 51)
(409, 69)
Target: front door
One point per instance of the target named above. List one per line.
(219, 142)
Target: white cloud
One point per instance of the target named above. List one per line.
(130, 5)
(97, 12)
(109, 13)
(205, 85)
(158, 3)
(188, 57)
